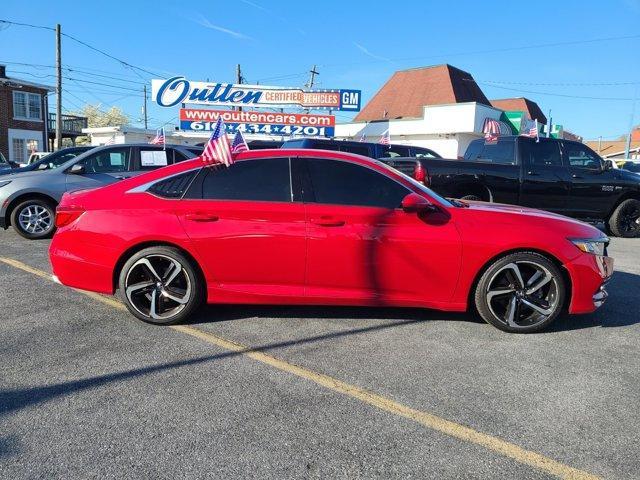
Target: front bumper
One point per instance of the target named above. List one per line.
(589, 277)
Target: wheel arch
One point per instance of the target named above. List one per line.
(127, 254)
(556, 261)
(622, 198)
(474, 188)
(26, 196)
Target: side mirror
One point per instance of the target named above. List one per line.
(608, 165)
(76, 169)
(43, 166)
(414, 203)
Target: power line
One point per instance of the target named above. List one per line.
(582, 97)
(125, 64)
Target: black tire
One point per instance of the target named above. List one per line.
(625, 220)
(34, 219)
(175, 298)
(496, 308)
(471, 197)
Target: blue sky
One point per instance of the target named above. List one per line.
(356, 44)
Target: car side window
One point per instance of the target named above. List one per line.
(581, 156)
(152, 158)
(395, 151)
(501, 152)
(542, 154)
(263, 179)
(108, 161)
(357, 149)
(343, 183)
(423, 153)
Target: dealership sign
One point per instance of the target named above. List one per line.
(270, 123)
(179, 90)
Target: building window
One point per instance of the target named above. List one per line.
(19, 150)
(27, 106)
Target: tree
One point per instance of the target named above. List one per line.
(114, 117)
(96, 117)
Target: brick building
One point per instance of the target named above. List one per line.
(23, 117)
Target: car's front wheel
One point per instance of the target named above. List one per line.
(625, 220)
(522, 292)
(161, 285)
(34, 219)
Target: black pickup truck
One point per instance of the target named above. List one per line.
(561, 176)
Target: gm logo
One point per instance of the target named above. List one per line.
(350, 100)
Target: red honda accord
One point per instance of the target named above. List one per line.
(316, 227)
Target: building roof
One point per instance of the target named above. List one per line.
(521, 104)
(615, 147)
(407, 91)
(16, 82)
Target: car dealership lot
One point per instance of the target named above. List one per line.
(86, 390)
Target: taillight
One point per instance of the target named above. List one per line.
(420, 174)
(66, 216)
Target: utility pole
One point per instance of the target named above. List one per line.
(599, 144)
(58, 89)
(550, 125)
(312, 77)
(144, 107)
(239, 79)
(627, 147)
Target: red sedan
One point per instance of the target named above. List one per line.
(317, 227)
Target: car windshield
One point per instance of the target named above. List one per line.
(417, 184)
(54, 161)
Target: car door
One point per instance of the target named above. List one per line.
(592, 186)
(100, 168)
(546, 182)
(363, 248)
(248, 230)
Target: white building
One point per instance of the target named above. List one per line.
(439, 107)
(446, 129)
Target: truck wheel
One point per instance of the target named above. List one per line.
(625, 220)
(523, 292)
(471, 197)
(34, 219)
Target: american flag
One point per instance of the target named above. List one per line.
(238, 145)
(491, 129)
(533, 131)
(218, 149)
(159, 138)
(385, 139)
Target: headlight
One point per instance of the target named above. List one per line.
(5, 183)
(595, 246)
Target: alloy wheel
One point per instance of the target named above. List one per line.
(35, 219)
(158, 287)
(522, 294)
(630, 218)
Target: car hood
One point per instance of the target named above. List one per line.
(516, 215)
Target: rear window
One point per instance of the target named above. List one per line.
(501, 152)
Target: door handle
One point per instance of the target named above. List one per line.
(575, 175)
(532, 173)
(202, 217)
(328, 222)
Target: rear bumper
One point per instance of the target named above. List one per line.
(589, 277)
(83, 266)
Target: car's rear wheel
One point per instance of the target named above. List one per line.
(34, 219)
(625, 220)
(161, 285)
(521, 292)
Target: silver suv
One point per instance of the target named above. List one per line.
(28, 200)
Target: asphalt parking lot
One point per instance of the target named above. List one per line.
(281, 392)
